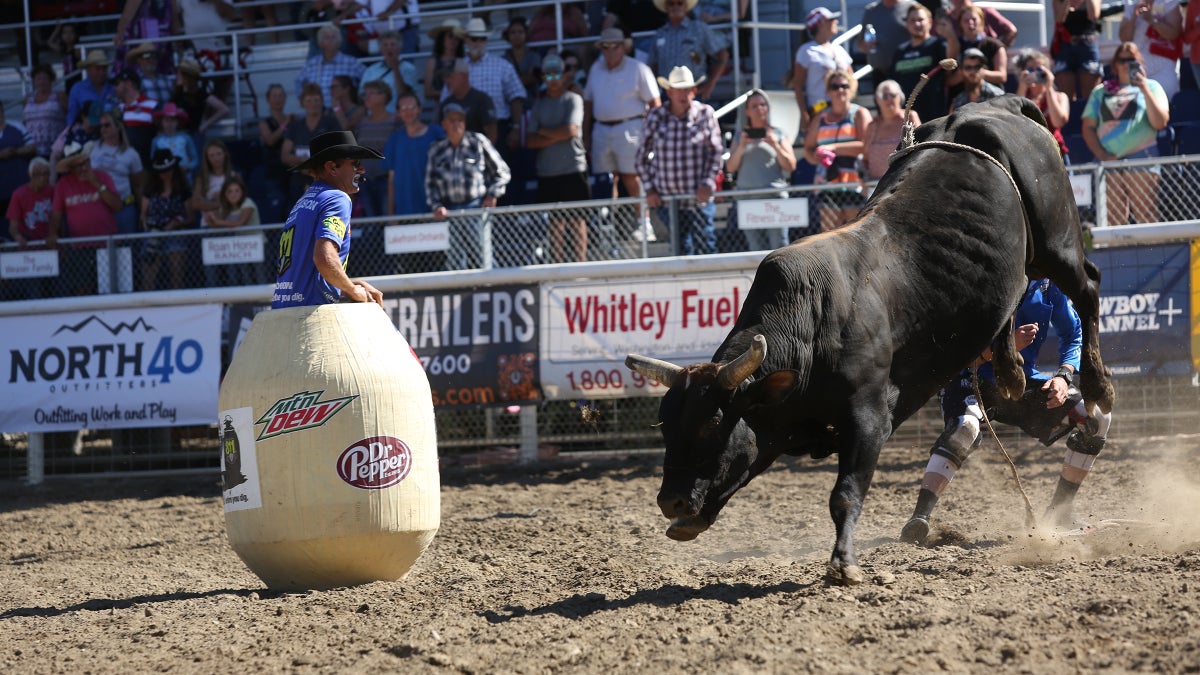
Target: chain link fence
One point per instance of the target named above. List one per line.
(511, 237)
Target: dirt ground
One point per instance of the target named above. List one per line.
(564, 568)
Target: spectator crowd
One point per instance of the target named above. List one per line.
(129, 142)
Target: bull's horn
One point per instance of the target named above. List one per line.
(730, 375)
(660, 371)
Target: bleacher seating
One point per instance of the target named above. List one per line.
(1185, 106)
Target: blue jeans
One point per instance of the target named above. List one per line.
(696, 233)
(127, 219)
(467, 243)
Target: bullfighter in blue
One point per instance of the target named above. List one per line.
(1051, 408)
(315, 242)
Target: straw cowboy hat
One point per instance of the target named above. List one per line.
(145, 48)
(96, 57)
(73, 154)
(334, 145)
(189, 66)
(662, 5)
(449, 24)
(614, 35)
(476, 28)
(680, 78)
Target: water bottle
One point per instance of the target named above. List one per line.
(869, 37)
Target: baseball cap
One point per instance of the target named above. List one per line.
(553, 63)
(815, 16)
(453, 109)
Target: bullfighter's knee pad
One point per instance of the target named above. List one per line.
(960, 438)
(1090, 434)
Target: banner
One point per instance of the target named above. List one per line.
(28, 264)
(589, 328)
(232, 249)
(149, 367)
(479, 348)
(1145, 309)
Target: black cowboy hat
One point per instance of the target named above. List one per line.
(334, 145)
(163, 160)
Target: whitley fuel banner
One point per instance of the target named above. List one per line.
(147, 367)
(589, 327)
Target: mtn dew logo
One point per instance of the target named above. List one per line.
(299, 411)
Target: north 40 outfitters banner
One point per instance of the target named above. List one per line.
(1146, 313)
(149, 367)
(589, 328)
(478, 347)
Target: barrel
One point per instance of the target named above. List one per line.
(329, 465)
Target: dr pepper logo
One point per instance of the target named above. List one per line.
(375, 463)
(300, 411)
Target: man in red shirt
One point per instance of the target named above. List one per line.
(88, 200)
(137, 111)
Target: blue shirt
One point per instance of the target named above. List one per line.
(1045, 305)
(82, 92)
(322, 212)
(406, 157)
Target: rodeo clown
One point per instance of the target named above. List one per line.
(1050, 409)
(315, 241)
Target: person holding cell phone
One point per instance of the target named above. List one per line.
(762, 156)
(1121, 121)
(1035, 81)
(1156, 27)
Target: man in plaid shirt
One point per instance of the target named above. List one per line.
(323, 67)
(464, 171)
(686, 144)
(496, 77)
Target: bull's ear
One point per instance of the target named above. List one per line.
(774, 388)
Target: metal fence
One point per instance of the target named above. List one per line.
(512, 237)
(1165, 189)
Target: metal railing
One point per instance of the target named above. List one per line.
(1158, 190)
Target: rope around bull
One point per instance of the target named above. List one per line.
(909, 145)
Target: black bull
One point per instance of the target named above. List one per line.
(844, 335)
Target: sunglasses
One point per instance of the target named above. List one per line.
(553, 76)
(837, 87)
(971, 69)
(609, 45)
(476, 39)
(1126, 62)
(889, 96)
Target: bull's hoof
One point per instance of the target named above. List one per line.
(686, 529)
(915, 531)
(1099, 393)
(844, 575)
(1011, 383)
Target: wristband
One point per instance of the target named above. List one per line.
(1065, 373)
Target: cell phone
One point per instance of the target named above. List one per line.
(756, 132)
(1135, 72)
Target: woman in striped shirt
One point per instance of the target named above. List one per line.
(834, 144)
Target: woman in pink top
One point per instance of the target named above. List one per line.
(883, 133)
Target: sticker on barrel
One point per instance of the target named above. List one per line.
(375, 463)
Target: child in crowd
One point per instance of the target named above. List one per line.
(215, 170)
(237, 210)
(170, 137)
